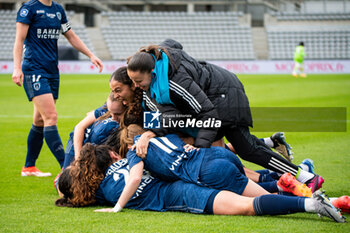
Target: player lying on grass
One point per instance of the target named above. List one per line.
(170, 159)
(94, 128)
(219, 170)
(99, 179)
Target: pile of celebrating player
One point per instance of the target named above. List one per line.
(111, 160)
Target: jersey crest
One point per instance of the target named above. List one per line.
(24, 12)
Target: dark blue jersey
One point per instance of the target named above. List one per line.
(167, 160)
(106, 127)
(45, 25)
(215, 167)
(100, 111)
(152, 193)
(96, 133)
(99, 131)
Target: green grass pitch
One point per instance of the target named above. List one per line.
(27, 203)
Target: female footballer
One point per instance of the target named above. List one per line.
(104, 179)
(39, 24)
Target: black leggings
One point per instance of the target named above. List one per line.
(250, 148)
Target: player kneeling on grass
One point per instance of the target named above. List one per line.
(106, 175)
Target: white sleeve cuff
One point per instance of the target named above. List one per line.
(117, 208)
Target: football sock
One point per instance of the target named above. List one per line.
(310, 205)
(277, 204)
(269, 142)
(54, 142)
(271, 186)
(34, 143)
(304, 167)
(303, 176)
(267, 175)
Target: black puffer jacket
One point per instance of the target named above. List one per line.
(205, 91)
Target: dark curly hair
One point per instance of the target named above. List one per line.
(134, 112)
(87, 173)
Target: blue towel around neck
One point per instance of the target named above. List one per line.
(160, 83)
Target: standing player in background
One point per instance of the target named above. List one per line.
(39, 24)
(299, 55)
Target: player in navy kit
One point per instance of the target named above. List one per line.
(39, 24)
(103, 184)
(94, 128)
(169, 159)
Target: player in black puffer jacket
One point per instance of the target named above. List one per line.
(170, 77)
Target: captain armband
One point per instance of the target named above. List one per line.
(65, 27)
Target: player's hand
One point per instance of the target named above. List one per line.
(105, 210)
(142, 144)
(189, 148)
(141, 147)
(97, 62)
(17, 77)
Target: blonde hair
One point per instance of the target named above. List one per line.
(127, 135)
(108, 113)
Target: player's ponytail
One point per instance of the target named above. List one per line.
(121, 75)
(144, 60)
(127, 137)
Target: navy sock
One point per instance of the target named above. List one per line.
(69, 155)
(266, 175)
(34, 143)
(270, 186)
(54, 142)
(276, 204)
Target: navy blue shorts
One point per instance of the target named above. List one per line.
(222, 170)
(187, 197)
(36, 85)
